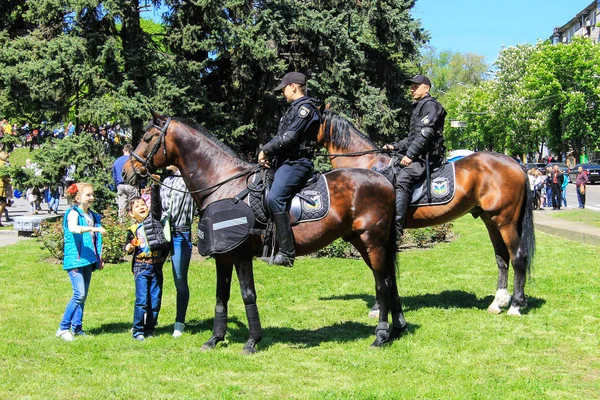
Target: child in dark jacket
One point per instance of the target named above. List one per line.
(145, 239)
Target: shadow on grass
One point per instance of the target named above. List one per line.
(237, 332)
(445, 299)
(348, 331)
(367, 298)
(111, 328)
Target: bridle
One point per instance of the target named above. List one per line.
(147, 163)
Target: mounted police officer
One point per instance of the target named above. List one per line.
(424, 142)
(293, 146)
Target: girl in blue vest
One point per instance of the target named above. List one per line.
(82, 255)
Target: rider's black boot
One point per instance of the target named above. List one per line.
(287, 252)
(402, 200)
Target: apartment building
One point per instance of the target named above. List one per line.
(583, 24)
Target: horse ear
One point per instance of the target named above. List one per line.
(157, 118)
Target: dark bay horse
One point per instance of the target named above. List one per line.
(489, 185)
(362, 204)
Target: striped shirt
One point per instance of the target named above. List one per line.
(182, 211)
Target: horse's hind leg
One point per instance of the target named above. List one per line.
(224, 270)
(519, 262)
(502, 297)
(243, 267)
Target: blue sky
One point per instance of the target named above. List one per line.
(483, 26)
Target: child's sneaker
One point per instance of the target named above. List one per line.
(178, 329)
(65, 335)
(140, 338)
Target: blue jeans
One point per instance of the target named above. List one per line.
(580, 197)
(148, 297)
(181, 253)
(53, 204)
(73, 317)
(564, 197)
(549, 197)
(290, 177)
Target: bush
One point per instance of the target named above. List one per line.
(427, 236)
(51, 237)
(338, 249)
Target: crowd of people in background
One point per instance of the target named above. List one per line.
(34, 135)
(549, 187)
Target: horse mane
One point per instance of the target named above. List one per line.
(205, 132)
(338, 130)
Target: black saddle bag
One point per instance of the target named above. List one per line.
(223, 226)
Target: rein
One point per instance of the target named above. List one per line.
(354, 154)
(245, 172)
(147, 163)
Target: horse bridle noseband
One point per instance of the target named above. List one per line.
(147, 163)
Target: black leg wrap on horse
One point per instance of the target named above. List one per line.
(254, 328)
(220, 322)
(381, 334)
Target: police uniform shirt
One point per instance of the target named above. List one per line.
(298, 128)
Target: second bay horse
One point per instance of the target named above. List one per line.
(489, 185)
(362, 206)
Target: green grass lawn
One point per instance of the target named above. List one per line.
(316, 331)
(578, 215)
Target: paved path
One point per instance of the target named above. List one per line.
(576, 231)
(21, 209)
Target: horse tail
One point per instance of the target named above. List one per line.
(526, 248)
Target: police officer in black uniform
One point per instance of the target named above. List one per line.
(293, 146)
(425, 136)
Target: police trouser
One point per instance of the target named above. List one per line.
(408, 176)
(290, 177)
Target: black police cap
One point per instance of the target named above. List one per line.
(418, 79)
(291, 77)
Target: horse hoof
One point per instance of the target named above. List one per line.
(514, 311)
(206, 347)
(249, 348)
(248, 351)
(374, 314)
(494, 309)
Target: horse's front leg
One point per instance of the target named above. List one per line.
(382, 294)
(243, 266)
(224, 267)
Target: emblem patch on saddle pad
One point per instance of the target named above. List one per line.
(442, 188)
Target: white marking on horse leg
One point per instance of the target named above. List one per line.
(514, 311)
(502, 297)
(374, 314)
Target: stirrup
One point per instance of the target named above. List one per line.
(283, 260)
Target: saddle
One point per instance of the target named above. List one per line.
(227, 223)
(441, 187)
